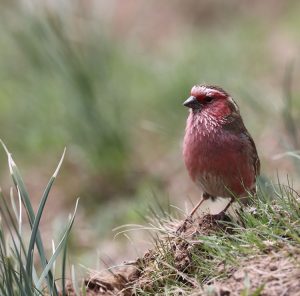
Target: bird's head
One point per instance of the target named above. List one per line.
(214, 100)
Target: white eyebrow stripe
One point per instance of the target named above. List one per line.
(211, 91)
(208, 91)
(231, 100)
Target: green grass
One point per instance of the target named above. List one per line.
(115, 101)
(22, 272)
(271, 225)
(181, 263)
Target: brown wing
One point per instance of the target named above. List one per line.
(256, 160)
(235, 124)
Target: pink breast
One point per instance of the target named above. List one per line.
(219, 164)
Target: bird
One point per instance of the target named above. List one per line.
(219, 153)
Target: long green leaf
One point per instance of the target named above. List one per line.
(27, 281)
(63, 272)
(37, 220)
(17, 251)
(59, 247)
(74, 280)
(10, 222)
(19, 183)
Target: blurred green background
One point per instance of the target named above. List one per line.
(107, 80)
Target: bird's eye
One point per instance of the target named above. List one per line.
(208, 99)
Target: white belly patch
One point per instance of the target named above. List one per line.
(212, 184)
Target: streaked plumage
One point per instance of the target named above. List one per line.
(219, 153)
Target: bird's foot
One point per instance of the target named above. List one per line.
(221, 217)
(183, 226)
(218, 217)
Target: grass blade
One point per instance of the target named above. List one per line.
(37, 220)
(19, 183)
(63, 272)
(59, 247)
(74, 280)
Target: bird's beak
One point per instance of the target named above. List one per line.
(192, 102)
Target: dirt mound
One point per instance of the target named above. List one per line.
(275, 272)
(272, 274)
(135, 275)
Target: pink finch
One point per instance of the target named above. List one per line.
(219, 153)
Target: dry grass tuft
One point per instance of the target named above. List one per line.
(214, 258)
(257, 254)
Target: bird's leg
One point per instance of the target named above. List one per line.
(221, 215)
(229, 204)
(182, 227)
(205, 196)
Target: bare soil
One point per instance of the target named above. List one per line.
(272, 274)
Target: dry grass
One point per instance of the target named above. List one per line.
(213, 258)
